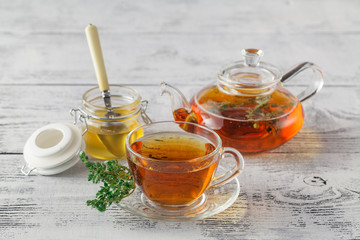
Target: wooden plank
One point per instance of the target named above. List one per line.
(331, 125)
(43, 43)
(286, 16)
(274, 202)
(307, 188)
(64, 58)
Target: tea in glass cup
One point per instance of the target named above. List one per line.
(174, 165)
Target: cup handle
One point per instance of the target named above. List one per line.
(230, 174)
(314, 87)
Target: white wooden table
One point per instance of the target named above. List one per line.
(45, 66)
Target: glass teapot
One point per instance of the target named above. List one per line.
(248, 107)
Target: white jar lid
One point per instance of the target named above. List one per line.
(52, 149)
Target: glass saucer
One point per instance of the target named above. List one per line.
(213, 201)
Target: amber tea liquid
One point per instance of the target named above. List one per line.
(168, 175)
(236, 127)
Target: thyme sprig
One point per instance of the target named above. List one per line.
(258, 109)
(117, 179)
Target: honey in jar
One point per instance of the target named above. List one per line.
(104, 136)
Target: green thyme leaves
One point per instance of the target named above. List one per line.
(117, 179)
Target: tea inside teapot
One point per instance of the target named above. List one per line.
(247, 107)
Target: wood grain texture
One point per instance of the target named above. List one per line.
(45, 42)
(307, 188)
(149, 59)
(274, 199)
(331, 123)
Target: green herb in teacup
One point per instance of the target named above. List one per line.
(118, 182)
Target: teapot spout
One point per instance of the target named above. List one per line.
(180, 106)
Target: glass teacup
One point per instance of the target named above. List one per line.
(174, 163)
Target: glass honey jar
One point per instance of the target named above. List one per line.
(105, 136)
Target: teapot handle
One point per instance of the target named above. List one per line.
(316, 84)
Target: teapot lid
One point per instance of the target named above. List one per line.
(250, 72)
(247, 90)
